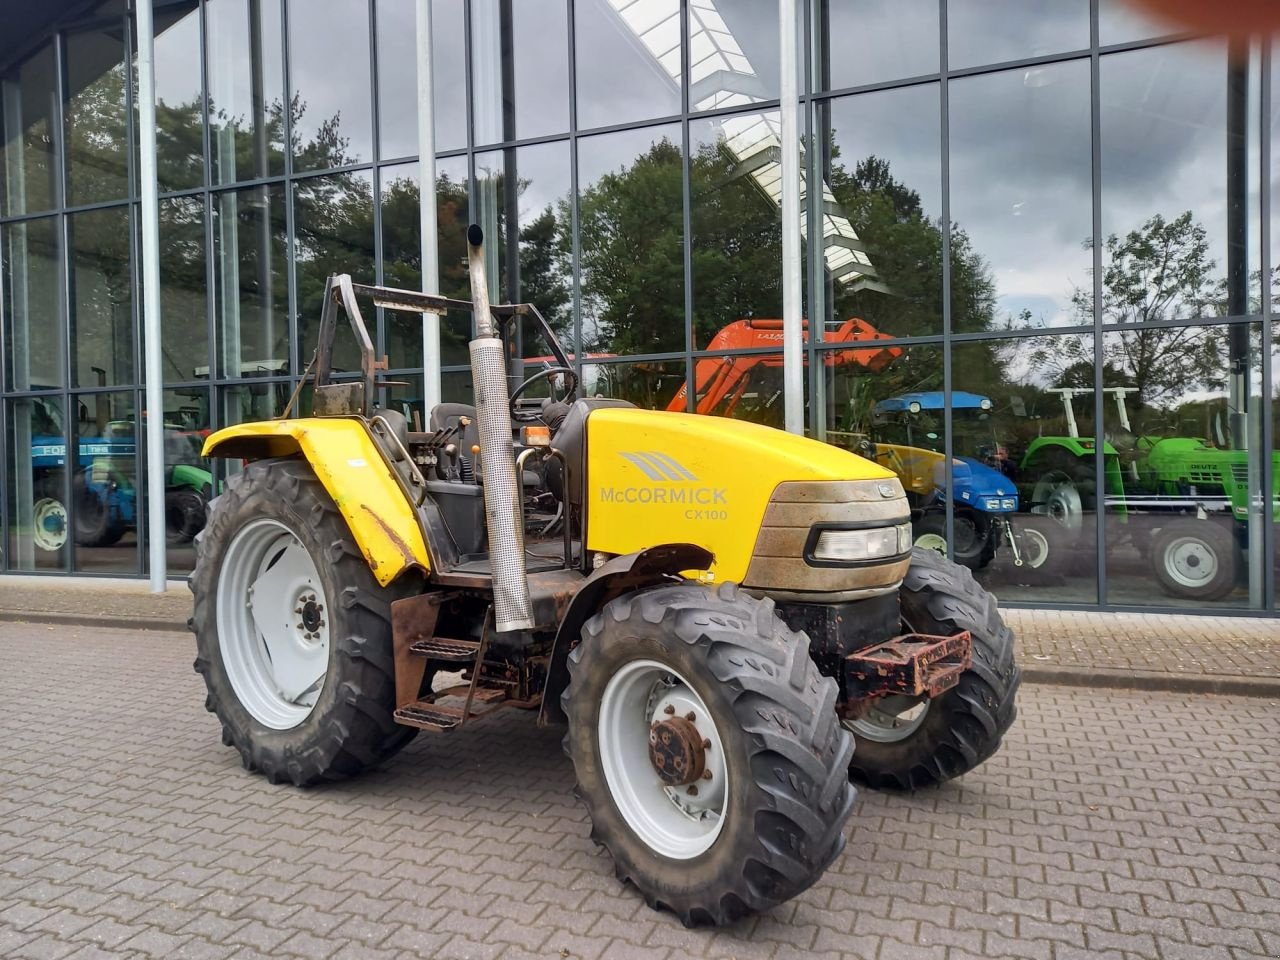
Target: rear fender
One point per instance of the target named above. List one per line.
(353, 471)
(632, 571)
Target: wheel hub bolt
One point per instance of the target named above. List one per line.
(676, 752)
(692, 791)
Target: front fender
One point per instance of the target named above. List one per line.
(661, 564)
(353, 471)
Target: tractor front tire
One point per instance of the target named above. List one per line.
(316, 610)
(905, 744)
(1195, 559)
(765, 817)
(976, 537)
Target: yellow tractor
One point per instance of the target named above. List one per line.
(719, 611)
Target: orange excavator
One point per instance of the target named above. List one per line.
(720, 382)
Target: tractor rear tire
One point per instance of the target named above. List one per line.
(348, 727)
(779, 796)
(951, 734)
(96, 523)
(1195, 559)
(185, 512)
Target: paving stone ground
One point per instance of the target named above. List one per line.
(1155, 643)
(1112, 825)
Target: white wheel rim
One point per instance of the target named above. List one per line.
(668, 820)
(273, 624)
(1190, 562)
(1036, 548)
(932, 541)
(1059, 498)
(890, 719)
(49, 524)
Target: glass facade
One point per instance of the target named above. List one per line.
(1041, 244)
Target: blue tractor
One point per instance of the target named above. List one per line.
(907, 437)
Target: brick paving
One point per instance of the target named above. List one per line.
(1112, 825)
(1081, 641)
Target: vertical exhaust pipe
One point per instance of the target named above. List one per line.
(502, 506)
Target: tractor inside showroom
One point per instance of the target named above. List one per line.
(719, 611)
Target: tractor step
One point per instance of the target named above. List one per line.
(429, 716)
(445, 648)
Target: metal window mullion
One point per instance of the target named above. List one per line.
(473, 195)
(61, 237)
(1099, 458)
(575, 260)
(686, 200)
(1268, 321)
(815, 172)
(944, 113)
(379, 332)
(290, 220)
(792, 273)
(149, 510)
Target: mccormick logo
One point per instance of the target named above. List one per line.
(661, 468)
(658, 466)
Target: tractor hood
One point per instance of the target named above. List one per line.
(657, 477)
(983, 487)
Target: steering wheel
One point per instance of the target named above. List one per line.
(571, 387)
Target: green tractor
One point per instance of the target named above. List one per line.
(1182, 501)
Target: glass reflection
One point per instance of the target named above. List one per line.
(1183, 421)
(31, 287)
(104, 482)
(246, 89)
(188, 477)
(183, 290)
(733, 49)
(402, 258)
(333, 224)
(251, 286)
(398, 78)
(1021, 181)
(992, 31)
(1025, 417)
(520, 68)
(650, 384)
(94, 116)
(101, 298)
(629, 63)
(631, 228)
(529, 187)
(737, 227)
(28, 142)
(871, 41)
(35, 484)
(179, 112)
(330, 98)
(1119, 21)
(880, 155)
(1167, 184)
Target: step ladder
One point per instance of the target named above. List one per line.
(448, 709)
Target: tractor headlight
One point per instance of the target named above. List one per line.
(990, 503)
(1009, 503)
(861, 545)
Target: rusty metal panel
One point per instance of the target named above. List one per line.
(912, 665)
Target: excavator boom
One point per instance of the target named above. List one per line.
(723, 380)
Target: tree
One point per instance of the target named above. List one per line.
(632, 256)
(1160, 271)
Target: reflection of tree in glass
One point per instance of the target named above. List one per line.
(906, 248)
(1160, 271)
(632, 259)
